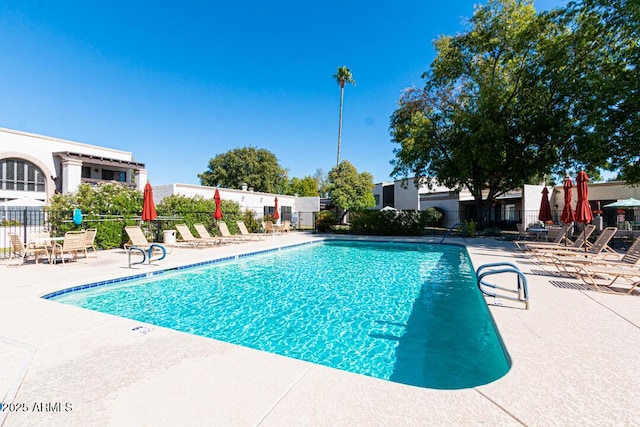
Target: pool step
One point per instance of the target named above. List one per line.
(503, 268)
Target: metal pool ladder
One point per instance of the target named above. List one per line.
(503, 268)
(147, 256)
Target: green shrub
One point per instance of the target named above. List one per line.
(108, 207)
(471, 228)
(324, 220)
(393, 223)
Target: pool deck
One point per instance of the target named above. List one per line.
(575, 360)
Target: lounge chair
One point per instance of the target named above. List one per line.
(73, 244)
(137, 239)
(248, 234)
(581, 240)
(596, 271)
(629, 259)
(601, 244)
(224, 232)
(204, 234)
(90, 241)
(190, 239)
(559, 238)
(20, 251)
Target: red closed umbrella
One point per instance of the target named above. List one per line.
(218, 212)
(583, 210)
(568, 214)
(544, 214)
(276, 214)
(148, 207)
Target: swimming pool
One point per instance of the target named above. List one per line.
(404, 312)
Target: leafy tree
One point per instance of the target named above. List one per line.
(258, 168)
(486, 118)
(342, 77)
(596, 73)
(350, 190)
(303, 187)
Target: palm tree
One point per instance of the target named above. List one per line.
(342, 76)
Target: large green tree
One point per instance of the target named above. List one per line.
(350, 190)
(258, 168)
(486, 119)
(595, 68)
(303, 187)
(343, 76)
(521, 95)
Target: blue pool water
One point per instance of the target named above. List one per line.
(409, 313)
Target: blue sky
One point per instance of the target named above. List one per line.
(176, 83)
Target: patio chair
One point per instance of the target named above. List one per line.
(559, 234)
(20, 251)
(90, 240)
(73, 243)
(226, 235)
(269, 228)
(249, 235)
(197, 242)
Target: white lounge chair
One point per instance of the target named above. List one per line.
(191, 240)
(248, 234)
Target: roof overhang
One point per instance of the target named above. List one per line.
(97, 160)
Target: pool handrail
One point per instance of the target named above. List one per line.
(507, 267)
(464, 231)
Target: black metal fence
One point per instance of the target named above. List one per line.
(625, 220)
(27, 221)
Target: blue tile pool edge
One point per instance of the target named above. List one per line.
(77, 288)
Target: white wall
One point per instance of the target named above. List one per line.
(248, 200)
(38, 150)
(406, 198)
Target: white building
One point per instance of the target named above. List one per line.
(298, 210)
(36, 166)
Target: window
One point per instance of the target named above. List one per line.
(86, 172)
(285, 213)
(17, 174)
(108, 175)
(509, 212)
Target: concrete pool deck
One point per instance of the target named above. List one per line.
(574, 354)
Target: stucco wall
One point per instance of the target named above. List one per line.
(38, 150)
(248, 200)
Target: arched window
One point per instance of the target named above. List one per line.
(20, 175)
